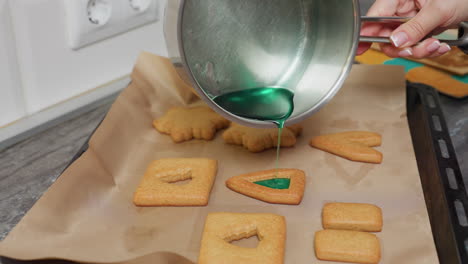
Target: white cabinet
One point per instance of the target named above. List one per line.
(11, 102)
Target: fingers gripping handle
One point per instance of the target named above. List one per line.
(462, 41)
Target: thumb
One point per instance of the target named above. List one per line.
(418, 27)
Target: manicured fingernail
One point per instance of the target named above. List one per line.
(444, 48)
(406, 53)
(433, 46)
(399, 39)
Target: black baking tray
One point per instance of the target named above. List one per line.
(441, 178)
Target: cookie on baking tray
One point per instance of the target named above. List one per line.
(352, 145)
(223, 228)
(157, 187)
(352, 216)
(455, 61)
(260, 139)
(279, 186)
(186, 123)
(443, 82)
(347, 246)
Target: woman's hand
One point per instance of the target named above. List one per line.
(429, 17)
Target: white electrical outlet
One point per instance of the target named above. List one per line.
(90, 21)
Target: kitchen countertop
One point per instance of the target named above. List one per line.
(28, 168)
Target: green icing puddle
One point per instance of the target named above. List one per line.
(277, 183)
(463, 79)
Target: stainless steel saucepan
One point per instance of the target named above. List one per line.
(306, 46)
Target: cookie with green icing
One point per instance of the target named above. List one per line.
(278, 186)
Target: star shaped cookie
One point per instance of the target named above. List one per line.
(186, 123)
(260, 139)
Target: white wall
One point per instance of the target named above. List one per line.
(43, 78)
(11, 100)
(52, 72)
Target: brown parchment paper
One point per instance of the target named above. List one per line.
(88, 215)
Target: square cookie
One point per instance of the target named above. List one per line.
(157, 187)
(223, 228)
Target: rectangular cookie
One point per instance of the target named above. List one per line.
(352, 216)
(347, 246)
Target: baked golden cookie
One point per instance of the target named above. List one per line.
(352, 216)
(454, 61)
(440, 80)
(353, 145)
(260, 139)
(186, 123)
(157, 187)
(347, 246)
(223, 228)
(372, 57)
(245, 184)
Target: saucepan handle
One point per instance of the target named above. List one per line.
(462, 41)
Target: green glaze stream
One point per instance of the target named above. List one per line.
(266, 104)
(277, 183)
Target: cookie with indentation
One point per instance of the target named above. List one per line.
(352, 216)
(223, 228)
(260, 139)
(347, 246)
(352, 145)
(246, 184)
(186, 123)
(157, 187)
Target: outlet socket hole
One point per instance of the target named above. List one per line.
(140, 5)
(99, 11)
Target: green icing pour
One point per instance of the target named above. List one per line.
(277, 183)
(264, 103)
(409, 65)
